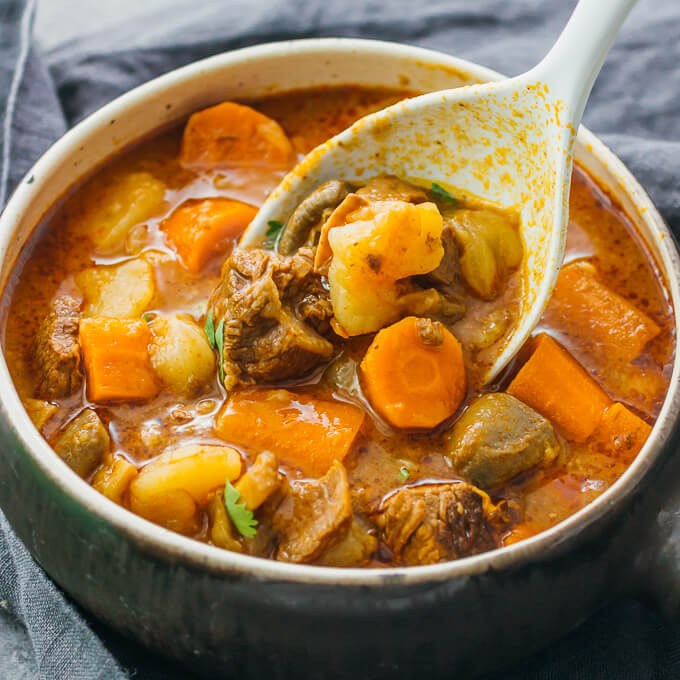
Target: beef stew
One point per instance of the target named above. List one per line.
(319, 398)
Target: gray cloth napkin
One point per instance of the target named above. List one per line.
(635, 107)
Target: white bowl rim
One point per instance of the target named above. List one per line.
(160, 541)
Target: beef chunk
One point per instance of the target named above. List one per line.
(438, 522)
(354, 550)
(446, 279)
(276, 311)
(57, 352)
(389, 188)
(311, 214)
(83, 443)
(313, 516)
(498, 437)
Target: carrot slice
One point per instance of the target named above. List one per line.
(116, 359)
(234, 134)
(559, 388)
(585, 306)
(414, 373)
(201, 228)
(303, 432)
(621, 432)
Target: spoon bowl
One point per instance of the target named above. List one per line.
(509, 142)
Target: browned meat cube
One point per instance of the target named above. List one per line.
(310, 215)
(498, 437)
(446, 279)
(437, 522)
(313, 516)
(354, 550)
(276, 312)
(57, 352)
(83, 443)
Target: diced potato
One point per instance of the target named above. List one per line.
(490, 246)
(122, 290)
(378, 246)
(260, 481)
(222, 532)
(170, 490)
(180, 353)
(39, 411)
(113, 480)
(127, 201)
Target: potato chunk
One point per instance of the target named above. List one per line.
(170, 489)
(180, 353)
(127, 201)
(112, 480)
(39, 411)
(122, 290)
(491, 247)
(380, 245)
(260, 481)
(222, 531)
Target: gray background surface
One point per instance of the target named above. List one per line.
(57, 21)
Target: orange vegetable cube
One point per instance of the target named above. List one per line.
(201, 228)
(303, 432)
(585, 306)
(233, 134)
(116, 359)
(559, 388)
(621, 432)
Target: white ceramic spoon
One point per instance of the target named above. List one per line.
(510, 142)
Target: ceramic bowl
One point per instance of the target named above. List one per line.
(226, 614)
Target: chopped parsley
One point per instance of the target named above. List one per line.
(404, 474)
(148, 317)
(242, 518)
(274, 228)
(442, 194)
(210, 330)
(219, 342)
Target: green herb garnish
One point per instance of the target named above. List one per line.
(442, 194)
(242, 518)
(274, 228)
(219, 342)
(210, 330)
(404, 474)
(148, 317)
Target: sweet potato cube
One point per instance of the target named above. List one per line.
(201, 228)
(560, 389)
(584, 305)
(303, 432)
(116, 359)
(234, 134)
(621, 432)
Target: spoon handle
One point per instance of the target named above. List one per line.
(571, 66)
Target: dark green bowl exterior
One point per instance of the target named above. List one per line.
(241, 625)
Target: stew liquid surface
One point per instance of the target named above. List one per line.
(309, 403)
